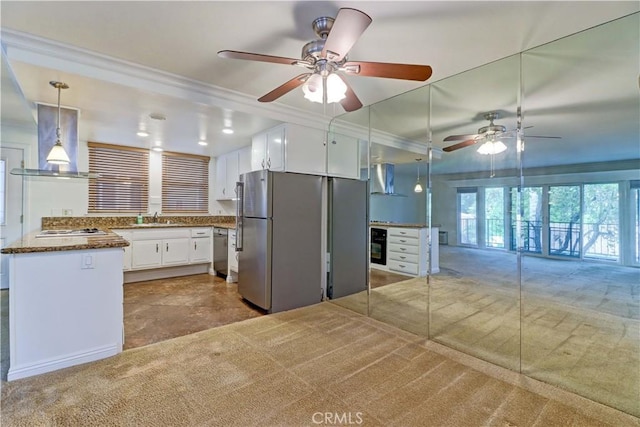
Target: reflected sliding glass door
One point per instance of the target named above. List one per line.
(564, 221)
(531, 229)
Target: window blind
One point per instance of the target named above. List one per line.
(185, 183)
(123, 184)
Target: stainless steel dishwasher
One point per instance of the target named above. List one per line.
(220, 251)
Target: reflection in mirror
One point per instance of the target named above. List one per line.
(399, 233)
(474, 299)
(348, 199)
(580, 229)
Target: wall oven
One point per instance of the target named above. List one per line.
(379, 246)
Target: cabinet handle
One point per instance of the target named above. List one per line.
(157, 248)
(402, 232)
(262, 163)
(223, 191)
(403, 257)
(403, 241)
(401, 266)
(269, 163)
(195, 245)
(403, 249)
(167, 247)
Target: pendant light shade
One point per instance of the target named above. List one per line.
(57, 155)
(314, 91)
(418, 187)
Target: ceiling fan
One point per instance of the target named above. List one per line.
(326, 58)
(491, 133)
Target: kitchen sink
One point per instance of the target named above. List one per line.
(158, 224)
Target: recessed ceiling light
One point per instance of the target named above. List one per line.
(228, 131)
(156, 148)
(142, 133)
(203, 143)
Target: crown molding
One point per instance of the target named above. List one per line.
(47, 53)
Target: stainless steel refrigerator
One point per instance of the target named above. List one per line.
(279, 239)
(348, 241)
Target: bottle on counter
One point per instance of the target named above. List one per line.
(139, 219)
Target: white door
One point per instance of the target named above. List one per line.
(10, 206)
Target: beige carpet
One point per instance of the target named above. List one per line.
(577, 327)
(319, 365)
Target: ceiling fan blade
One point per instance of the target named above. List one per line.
(388, 70)
(346, 30)
(233, 54)
(459, 145)
(458, 137)
(351, 101)
(285, 88)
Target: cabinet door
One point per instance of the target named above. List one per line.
(221, 178)
(126, 261)
(232, 175)
(232, 255)
(175, 251)
(200, 250)
(146, 254)
(259, 151)
(305, 150)
(343, 156)
(275, 149)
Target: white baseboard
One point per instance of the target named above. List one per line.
(17, 372)
(165, 272)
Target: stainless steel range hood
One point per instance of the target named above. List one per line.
(382, 176)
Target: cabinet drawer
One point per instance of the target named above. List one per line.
(201, 232)
(403, 240)
(405, 232)
(403, 257)
(403, 249)
(404, 267)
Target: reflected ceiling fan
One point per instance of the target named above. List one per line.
(490, 134)
(326, 59)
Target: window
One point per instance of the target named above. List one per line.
(123, 184)
(494, 217)
(185, 183)
(601, 221)
(467, 216)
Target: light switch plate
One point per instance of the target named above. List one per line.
(88, 261)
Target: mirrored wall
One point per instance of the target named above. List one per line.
(531, 174)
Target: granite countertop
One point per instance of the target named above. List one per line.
(396, 224)
(146, 226)
(30, 243)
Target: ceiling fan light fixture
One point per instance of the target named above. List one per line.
(492, 147)
(312, 88)
(336, 88)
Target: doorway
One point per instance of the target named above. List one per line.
(11, 196)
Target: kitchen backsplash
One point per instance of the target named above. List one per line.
(58, 222)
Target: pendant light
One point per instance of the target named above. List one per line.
(57, 155)
(418, 187)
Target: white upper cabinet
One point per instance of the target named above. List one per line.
(267, 149)
(305, 150)
(343, 156)
(295, 148)
(228, 169)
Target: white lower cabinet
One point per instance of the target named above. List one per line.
(146, 254)
(168, 247)
(175, 251)
(126, 261)
(200, 250)
(407, 250)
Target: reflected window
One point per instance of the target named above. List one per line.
(531, 224)
(467, 216)
(494, 217)
(564, 220)
(601, 222)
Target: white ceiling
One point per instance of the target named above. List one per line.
(125, 60)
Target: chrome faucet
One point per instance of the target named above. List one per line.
(155, 217)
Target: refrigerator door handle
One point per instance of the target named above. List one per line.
(239, 215)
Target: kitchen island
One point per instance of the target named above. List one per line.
(411, 249)
(65, 301)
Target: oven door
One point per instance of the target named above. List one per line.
(379, 246)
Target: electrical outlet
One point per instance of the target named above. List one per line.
(67, 212)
